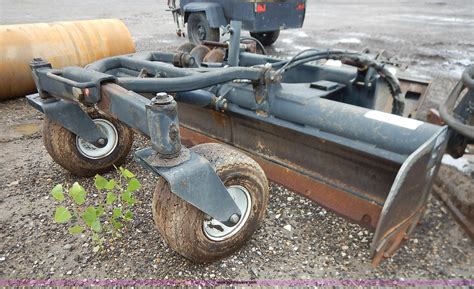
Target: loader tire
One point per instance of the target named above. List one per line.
(185, 228)
(200, 30)
(266, 38)
(77, 156)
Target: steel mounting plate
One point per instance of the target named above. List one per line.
(195, 181)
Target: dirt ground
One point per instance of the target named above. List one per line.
(435, 38)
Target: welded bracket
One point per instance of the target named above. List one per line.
(70, 115)
(195, 181)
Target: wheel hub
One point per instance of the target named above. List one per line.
(201, 32)
(90, 151)
(217, 231)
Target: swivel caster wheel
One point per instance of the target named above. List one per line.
(196, 236)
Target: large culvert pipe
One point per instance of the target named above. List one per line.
(61, 43)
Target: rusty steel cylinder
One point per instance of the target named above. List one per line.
(75, 43)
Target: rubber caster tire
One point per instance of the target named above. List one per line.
(267, 38)
(185, 228)
(200, 30)
(82, 158)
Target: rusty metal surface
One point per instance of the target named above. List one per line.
(212, 44)
(214, 56)
(75, 43)
(395, 237)
(199, 52)
(434, 117)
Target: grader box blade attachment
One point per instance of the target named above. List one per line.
(316, 129)
(377, 188)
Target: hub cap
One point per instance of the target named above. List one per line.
(201, 33)
(90, 151)
(217, 231)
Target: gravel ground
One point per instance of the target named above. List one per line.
(319, 245)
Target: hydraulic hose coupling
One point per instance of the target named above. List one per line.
(162, 118)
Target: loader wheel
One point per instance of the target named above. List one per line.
(267, 38)
(185, 228)
(199, 29)
(80, 157)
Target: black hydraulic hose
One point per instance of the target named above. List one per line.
(446, 108)
(190, 82)
(335, 55)
(298, 56)
(357, 59)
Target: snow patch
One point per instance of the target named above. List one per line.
(302, 34)
(165, 40)
(462, 164)
(301, 48)
(351, 40)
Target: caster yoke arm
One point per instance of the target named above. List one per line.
(71, 116)
(195, 181)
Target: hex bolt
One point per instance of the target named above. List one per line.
(161, 98)
(101, 141)
(161, 95)
(234, 219)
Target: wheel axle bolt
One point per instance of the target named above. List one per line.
(234, 218)
(101, 141)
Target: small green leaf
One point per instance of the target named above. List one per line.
(100, 182)
(99, 211)
(62, 215)
(133, 185)
(76, 229)
(58, 193)
(117, 225)
(126, 173)
(96, 227)
(110, 184)
(128, 216)
(117, 212)
(77, 193)
(127, 197)
(110, 199)
(89, 216)
(96, 249)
